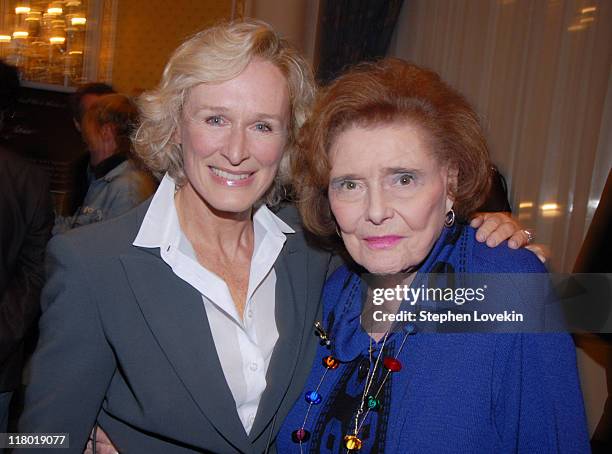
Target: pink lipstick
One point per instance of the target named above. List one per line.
(382, 242)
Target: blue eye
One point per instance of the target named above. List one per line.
(214, 120)
(264, 127)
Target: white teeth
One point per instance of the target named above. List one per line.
(229, 176)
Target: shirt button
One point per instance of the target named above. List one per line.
(251, 419)
(253, 366)
(250, 313)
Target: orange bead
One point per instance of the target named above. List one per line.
(330, 362)
(352, 443)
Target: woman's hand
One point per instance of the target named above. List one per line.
(497, 227)
(103, 443)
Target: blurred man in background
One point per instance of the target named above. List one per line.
(80, 101)
(26, 218)
(117, 182)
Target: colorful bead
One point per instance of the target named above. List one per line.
(330, 362)
(300, 435)
(373, 403)
(392, 364)
(352, 443)
(313, 397)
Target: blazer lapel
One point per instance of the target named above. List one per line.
(291, 302)
(177, 318)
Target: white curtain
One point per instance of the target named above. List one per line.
(538, 73)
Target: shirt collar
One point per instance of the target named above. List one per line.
(161, 225)
(270, 222)
(108, 164)
(161, 218)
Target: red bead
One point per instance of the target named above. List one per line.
(300, 435)
(392, 364)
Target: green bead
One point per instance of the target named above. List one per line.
(373, 403)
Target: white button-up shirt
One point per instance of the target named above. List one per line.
(244, 344)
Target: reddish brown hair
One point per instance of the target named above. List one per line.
(385, 92)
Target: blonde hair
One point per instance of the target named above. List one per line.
(214, 55)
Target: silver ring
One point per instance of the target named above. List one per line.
(530, 235)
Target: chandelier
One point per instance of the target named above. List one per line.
(49, 41)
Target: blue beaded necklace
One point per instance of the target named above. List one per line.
(352, 442)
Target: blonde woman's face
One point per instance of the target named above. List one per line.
(233, 135)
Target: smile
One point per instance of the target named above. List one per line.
(382, 242)
(233, 179)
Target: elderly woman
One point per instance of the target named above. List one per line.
(393, 161)
(185, 325)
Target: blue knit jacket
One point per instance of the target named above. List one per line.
(456, 393)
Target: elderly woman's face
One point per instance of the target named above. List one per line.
(233, 135)
(388, 194)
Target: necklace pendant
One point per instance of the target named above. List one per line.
(392, 364)
(373, 403)
(352, 443)
(300, 435)
(313, 397)
(330, 362)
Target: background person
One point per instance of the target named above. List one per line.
(392, 160)
(26, 218)
(80, 101)
(118, 183)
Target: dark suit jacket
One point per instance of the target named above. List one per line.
(123, 340)
(26, 219)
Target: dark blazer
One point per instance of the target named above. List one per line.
(125, 341)
(26, 219)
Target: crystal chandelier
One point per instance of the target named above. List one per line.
(46, 40)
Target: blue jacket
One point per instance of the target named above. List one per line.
(121, 189)
(477, 393)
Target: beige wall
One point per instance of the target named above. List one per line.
(296, 20)
(147, 32)
(539, 75)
